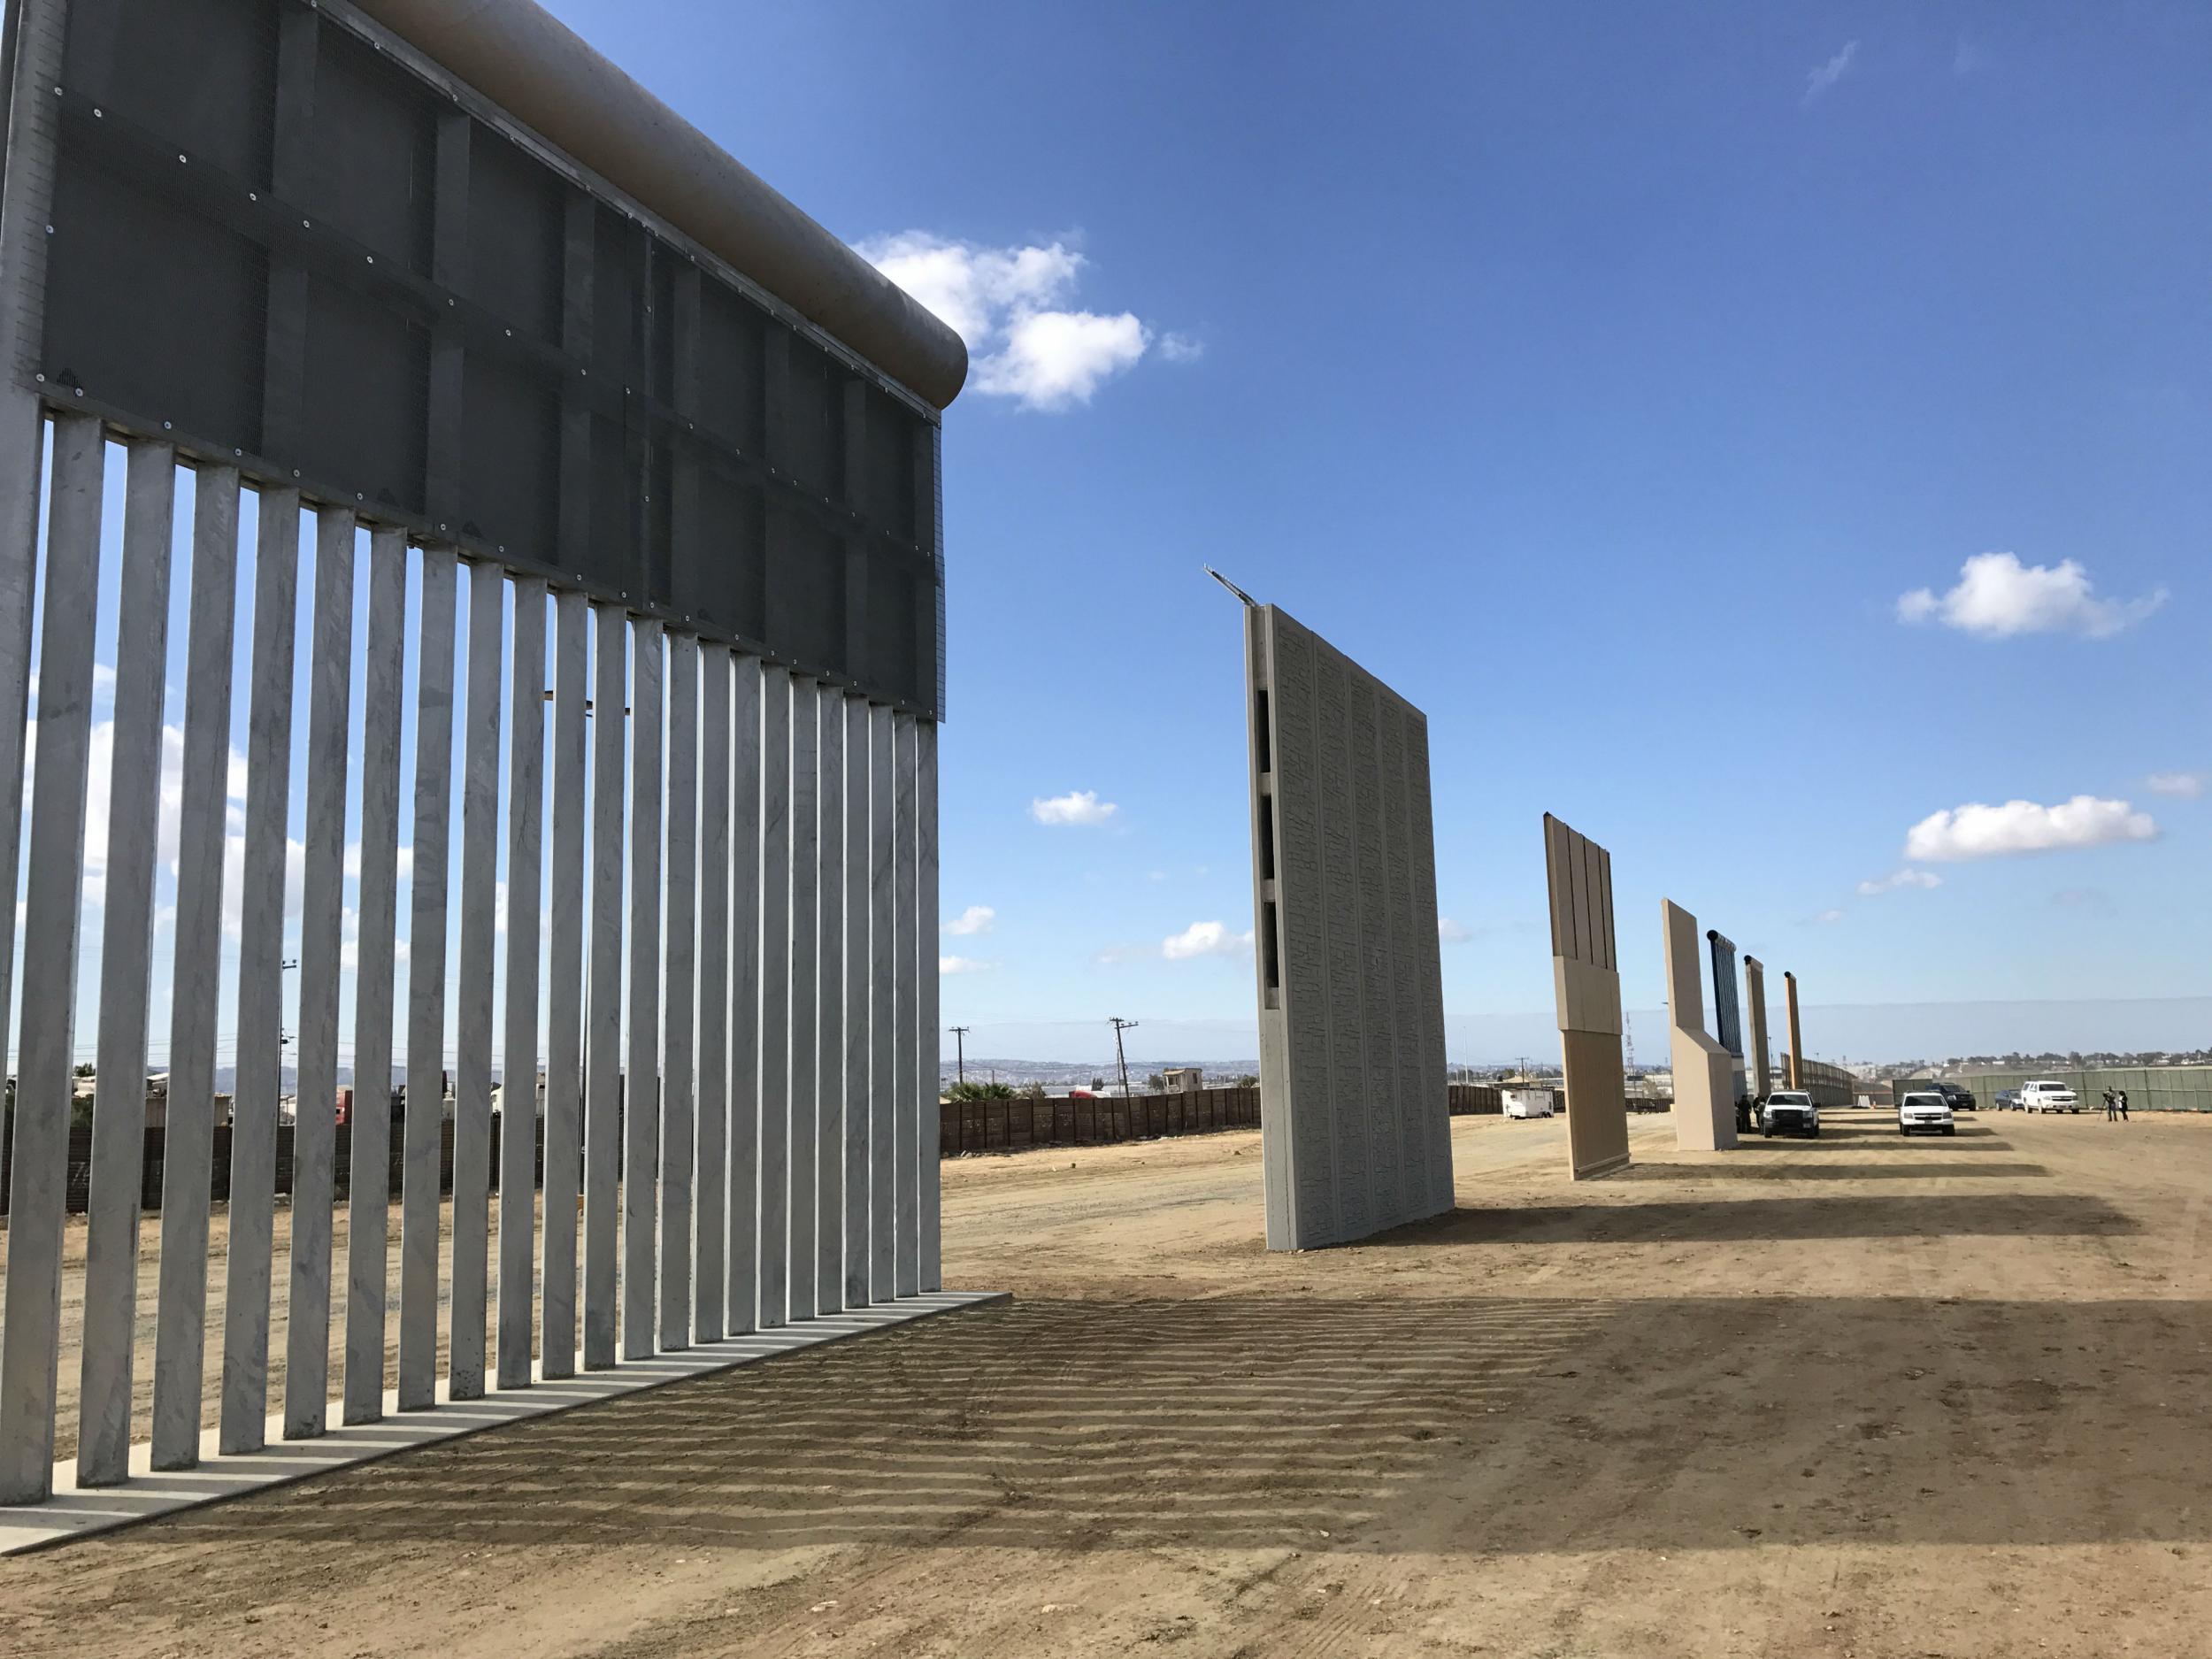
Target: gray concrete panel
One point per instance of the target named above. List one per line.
(1353, 1113)
(188, 1155)
(641, 1032)
(743, 1271)
(929, 1216)
(882, 1056)
(564, 987)
(480, 899)
(679, 972)
(858, 907)
(322, 932)
(369, 1192)
(804, 1105)
(906, 1082)
(1760, 1057)
(829, 1009)
(602, 1053)
(423, 1129)
(253, 1125)
(518, 1045)
(30, 1359)
(710, 1295)
(119, 1109)
(774, 1167)
(1588, 989)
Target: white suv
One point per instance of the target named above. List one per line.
(1925, 1111)
(2048, 1097)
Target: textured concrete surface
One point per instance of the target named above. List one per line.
(1356, 1130)
(1704, 1093)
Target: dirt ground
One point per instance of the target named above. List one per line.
(1857, 1396)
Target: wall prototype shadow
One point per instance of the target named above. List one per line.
(1260, 1422)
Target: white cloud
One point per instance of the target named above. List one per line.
(1452, 933)
(1205, 939)
(1078, 806)
(1906, 878)
(2183, 786)
(1012, 307)
(1827, 916)
(1997, 596)
(964, 964)
(1819, 80)
(1176, 347)
(1976, 831)
(976, 918)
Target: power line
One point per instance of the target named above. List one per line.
(1121, 1059)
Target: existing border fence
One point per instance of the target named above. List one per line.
(2151, 1088)
(1024, 1121)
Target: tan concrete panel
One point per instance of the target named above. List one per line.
(1704, 1073)
(1597, 1106)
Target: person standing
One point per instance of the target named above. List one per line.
(2123, 1105)
(2111, 1107)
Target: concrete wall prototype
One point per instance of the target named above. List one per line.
(1754, 976)
(1355, 1129)
(1728, 1011)
(1704, 1073)
(1797, 1041)
(738, 978)
(1587, 984)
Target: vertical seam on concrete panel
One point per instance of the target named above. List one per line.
(680, 792)
(119, 1109)
(424, 1124)
(564, 988)
(45, 1084)
(711, 1165)
(245, 1403)
(742, 1277)
(602, 1054)
(518, 1047)
(322, 924)
(773, 1172)
(641, 1093)
(369, 1187)
(473, 1060)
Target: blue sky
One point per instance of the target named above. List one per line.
(1750, 433)
(1604, 379)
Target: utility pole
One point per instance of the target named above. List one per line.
(960, 1049)
(1120, 1058)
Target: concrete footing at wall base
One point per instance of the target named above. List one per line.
(75, 1512)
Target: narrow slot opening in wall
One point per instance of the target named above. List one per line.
(1267, 838)
(1271, 955)
(1262, 745)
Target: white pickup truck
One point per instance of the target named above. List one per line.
(2048, 1096)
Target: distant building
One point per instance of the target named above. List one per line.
(1183, 1079)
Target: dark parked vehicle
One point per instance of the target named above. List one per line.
(2006, 1100)
(1959, 1098)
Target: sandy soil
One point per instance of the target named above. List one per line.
(1853, 1397)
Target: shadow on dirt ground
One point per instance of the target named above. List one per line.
(1479, 1424)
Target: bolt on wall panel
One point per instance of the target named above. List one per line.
(1355, 1118)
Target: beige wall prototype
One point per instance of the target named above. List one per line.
(1704, 1073)
(1797, 1039)
(1754, 976)
(1587, 982)
(1355, 1126)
